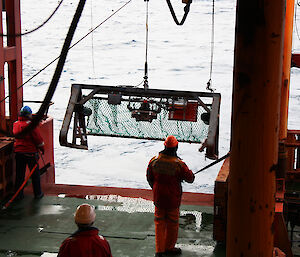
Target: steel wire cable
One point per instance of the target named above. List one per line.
(77, 42)
(208, 84)
(146, 54)
(35, 29)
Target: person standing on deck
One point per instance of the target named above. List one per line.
(85, 242)
(26, 149)
(165, 174)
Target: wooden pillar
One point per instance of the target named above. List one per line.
(287, 55)
(255, 121)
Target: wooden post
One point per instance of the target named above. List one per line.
(255, 121)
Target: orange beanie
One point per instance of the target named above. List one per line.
(171, 141)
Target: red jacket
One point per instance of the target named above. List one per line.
(165, 174)
(85, 243)
(31, 142)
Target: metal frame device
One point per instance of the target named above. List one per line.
(144, 105)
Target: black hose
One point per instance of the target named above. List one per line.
(186, 11)
(77, 42)
(52, 87)
(35, 29)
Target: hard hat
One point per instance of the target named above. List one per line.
(25, 111)
(85, 214)
(171, 141)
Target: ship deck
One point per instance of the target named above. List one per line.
(37, 227)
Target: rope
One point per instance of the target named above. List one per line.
(35, 29)
(186, 11)
(93, 61)
(146, 86)
(208, 84)
(213, 163)
(69, 49)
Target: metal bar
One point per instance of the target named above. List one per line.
(132, 91)
(75, 121)
(63, 135)
(200, 102)
(79, 130)
(213, 131)
(89, 96)
(213, 163)
(82, 132)
(146, 138)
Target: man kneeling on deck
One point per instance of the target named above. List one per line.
(85, 242)
(165, 174)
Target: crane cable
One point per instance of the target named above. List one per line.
(45, 67)
(212, 43)
(36, 28)
(146, 86)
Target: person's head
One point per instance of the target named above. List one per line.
(171, 142)
(26, 112)
(85, 215)
(171, 145)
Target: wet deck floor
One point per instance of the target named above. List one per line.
(37, 227)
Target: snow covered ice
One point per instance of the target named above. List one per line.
(114, 54)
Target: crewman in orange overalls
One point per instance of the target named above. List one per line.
(164, 174)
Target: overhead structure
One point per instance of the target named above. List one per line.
(144, 114)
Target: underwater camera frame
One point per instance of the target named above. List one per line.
(131, 112)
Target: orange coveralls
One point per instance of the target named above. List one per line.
(165, 174)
